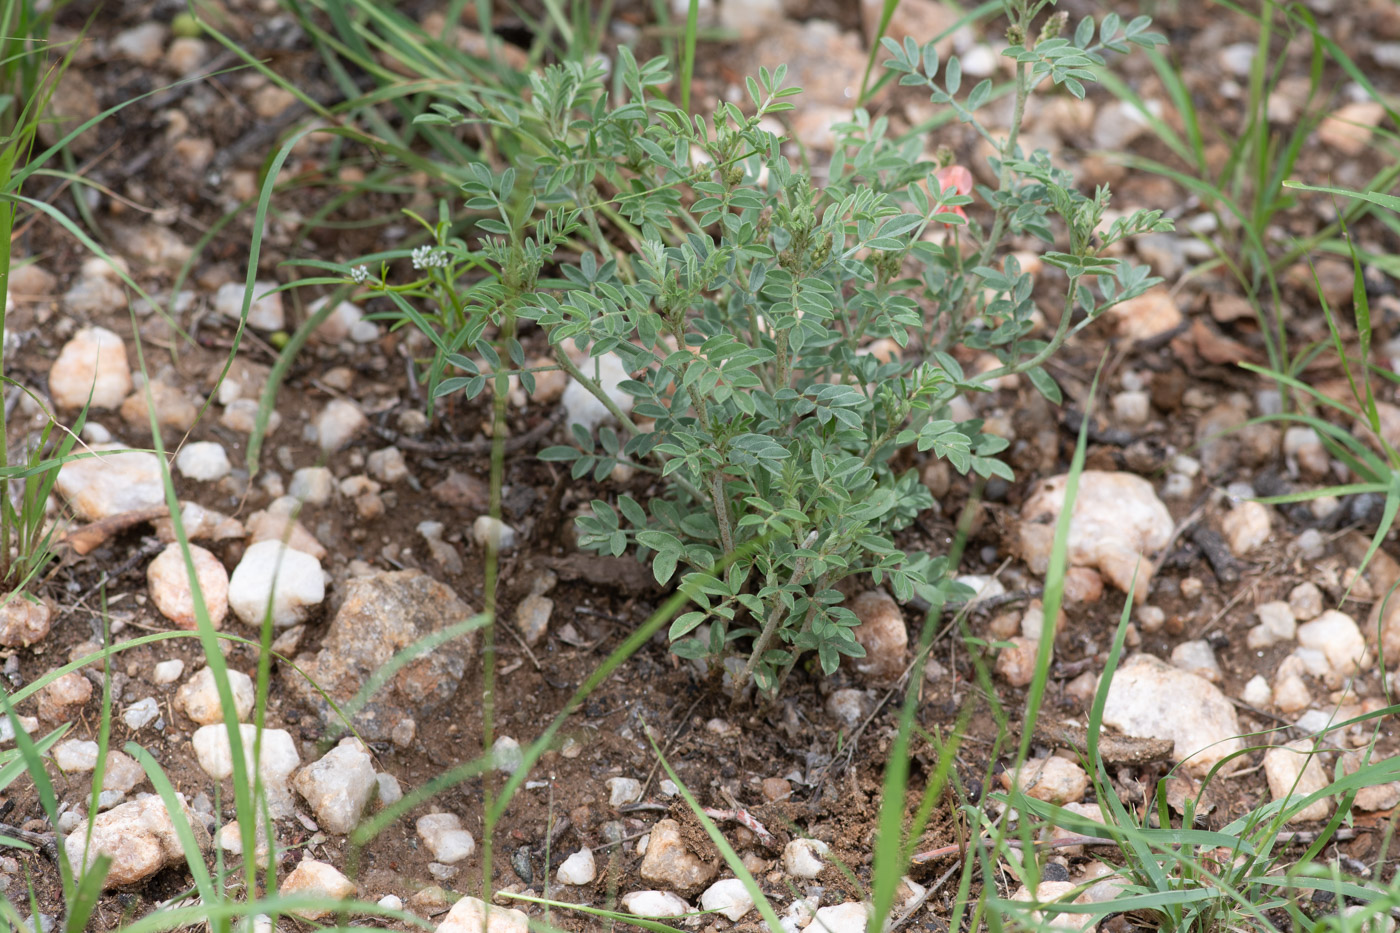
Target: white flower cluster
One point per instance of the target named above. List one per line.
(360, 274)
(427, 257)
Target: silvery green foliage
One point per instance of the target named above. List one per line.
(741, 294)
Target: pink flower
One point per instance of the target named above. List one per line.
(960, 180)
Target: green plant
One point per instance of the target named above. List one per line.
(1245, 191)
(744, 300)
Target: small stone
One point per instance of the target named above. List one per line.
(494, 532)
(1276, 624)
(578, 868)
(139, 837)
(1337, 636)
(532, 618)
(142, 44)
(850, 917)
(241, 415)
(203, 461)
(1132, 408)
(775, 788)
(1293, 771)
(167, 672)
(278, 522)
(473, 915)
(1305, 600)
(387, 465)
(1054, 780)
(445, 838)
(185, 55)
(1083, 586)
(141, 713)
(1370, 797)
(278, 760)
(264, 313)
(507, 756)
(122, 774)
(338, 424)
(169, 583)
(1246, 527)
(93, 361)
(802, 858)
(1150, 618)
(1349, 129)
(653, 904)
(882, 633)
(390, 902)
(318, 880)
(1302, 445)
(24, 621)
(669, 862)
(339, 786)
(111, 483)
(312, 485)
(1016, 661)
(623, 790)
(1198, 657)
(198, 698)
(728, 897)
(1150, 699)
(1116, 523)
(173, 408)
(582, 407)
(1151, 314)
(299, 585)
(388, 788)
(1257, 693)
(57, 701)
(847, 705)
(75, 755)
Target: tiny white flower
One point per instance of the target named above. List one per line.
(426, 257)
(360, 274)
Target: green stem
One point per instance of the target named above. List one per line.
(770, 626)
(726, 534)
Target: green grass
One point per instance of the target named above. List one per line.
(1246, 192)
(1171, 871)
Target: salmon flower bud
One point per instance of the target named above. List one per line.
(957, 178)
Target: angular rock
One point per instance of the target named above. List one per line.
(729, 897)
(288, 580)
(264, 313)
(381, 615)
(94, 360)
(1151, 699)
(111, 483)
(279, 758)
(579, 868)
(1349, 129)
(278, 522)
(339, 786)
(1246, 526)
(139, 837)
(445, 838)
(802, 858)
(338, 424)
(850, 917)
(1337, 636)
(582, 406)
(473, 915)
(199, 697)
(23, 622)
(169, 584)
(1117, 521)
(1054, 780)
(60, 698)
(317, 879)
(173, 408)
(654, 904)
(203, 461)
(668, 861)
(882, 634)
(1292, 770)
(1151, 314)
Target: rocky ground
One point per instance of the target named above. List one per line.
(1239, 625)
